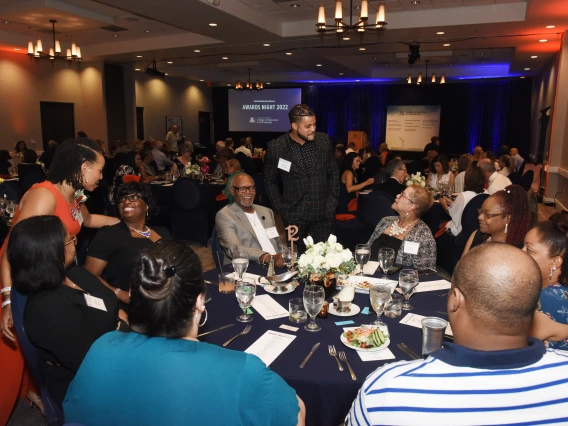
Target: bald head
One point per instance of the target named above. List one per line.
(219, 145)
(486, 165)
(500, 285)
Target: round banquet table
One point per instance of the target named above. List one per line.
(327, 392)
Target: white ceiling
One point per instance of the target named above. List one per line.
(487, 38)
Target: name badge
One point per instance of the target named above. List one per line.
(410, 247)
(95, 302)
(272, 232)
(284, 164)
(80, 218)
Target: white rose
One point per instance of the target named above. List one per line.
(422, 184)
(346, 255)
(304, 260)
(332, 239)
(317, 261)
(333, 261)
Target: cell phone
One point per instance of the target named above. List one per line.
(426, 272)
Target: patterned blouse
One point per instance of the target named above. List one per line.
(554, 303)
(420, 233)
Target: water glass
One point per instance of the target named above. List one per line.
(386, 260)
(240, 261)
(433, 330)
(245, 292)
(226, 283)
(287, 256)
(297, 310)
(362, 256)
(314, 297)
(11, 206)
(407, 280)
(2, 206)
(394, 309)
(379, 295)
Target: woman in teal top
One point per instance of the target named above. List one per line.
(160, 374)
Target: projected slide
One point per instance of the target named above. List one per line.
(410, 127)
(265, 111)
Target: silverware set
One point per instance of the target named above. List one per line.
(404, 348)
(309, 355)
(242, 333)
(342, 357)
(333, 353)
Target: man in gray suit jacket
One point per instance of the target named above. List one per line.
(248, 226)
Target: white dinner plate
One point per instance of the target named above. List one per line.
(288, 289)
(353, 310)
(375, 349)
(360, 283)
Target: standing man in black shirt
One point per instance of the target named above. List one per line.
(303, 163)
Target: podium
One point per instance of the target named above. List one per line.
(359, 138)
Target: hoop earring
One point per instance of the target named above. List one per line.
(551, 271)
(204, 321)
(506, 227)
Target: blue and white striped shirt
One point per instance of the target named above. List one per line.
(459, 386)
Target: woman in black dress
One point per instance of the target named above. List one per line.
(58, 319)
(114, 250)
(29, 165)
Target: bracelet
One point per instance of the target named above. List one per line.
(116, 290)
(7, 302)
(5, 289)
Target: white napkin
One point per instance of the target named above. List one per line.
(370, 268)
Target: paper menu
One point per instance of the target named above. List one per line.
(270, 345)
(268, 308)
(370, 268)
(433, 285)
(414, 320)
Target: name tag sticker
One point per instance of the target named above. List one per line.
(95, 302)
(284, 164)
(272, 232)
(411, 247)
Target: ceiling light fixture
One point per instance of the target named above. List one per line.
(224, 57)
(527, 69)
(147, 31)
(212, 24)
(115, 35)
(170, 62)
(548, 26)
(266, 44)
(360, 26)
(424, 78)
(197, 50)
(289, 53)
(295, 5)
(136, 69)
(73, 54)
(258, 86)
(440, 33)
(138, 56)
(543, 40)
(6, 22)
(415, 2)
(340, 73)
(267, 83)
(534, 57)
(201, 80)
(522, 77)
(318, 65)
(362, 48)
(446, 44)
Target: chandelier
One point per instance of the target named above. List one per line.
(259, 85)
(360, 26)
(72, 55)
(432, 79)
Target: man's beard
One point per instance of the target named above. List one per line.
(304, 138)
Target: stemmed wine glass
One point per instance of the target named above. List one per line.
(386, 260)
(11, 207)
(380, 295)
(407, 280)
(287, 256)
(245, 292)
(240, 262)
(362, 256)
(314, 297)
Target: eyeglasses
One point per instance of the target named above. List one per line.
(244, 189)
(131, 198)
(480, 212)
(72, 241)
(402, 195)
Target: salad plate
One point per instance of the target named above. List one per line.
(367, 338)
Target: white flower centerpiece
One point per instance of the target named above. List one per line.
(323, 261)
(416, 179)
(191, 170)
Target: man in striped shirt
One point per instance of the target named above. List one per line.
(493, 373)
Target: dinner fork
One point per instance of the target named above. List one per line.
(343, 357)
(333, 353)
(245, 331)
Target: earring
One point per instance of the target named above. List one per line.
(506, 227)
(205, 320)
(76, 262)
(146, 213)
(86, 179)
(551, 271)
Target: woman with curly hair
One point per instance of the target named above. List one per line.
(547, 244)
(504, 217)
(114, 250)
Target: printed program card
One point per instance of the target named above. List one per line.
(270, 345)
(414, 320)
(370, 268)
(269, 308)
(433, 286)
(376, 356)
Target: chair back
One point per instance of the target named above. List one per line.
(344, 198)
(186, 194)
(31, 179)
(216, 250)
(469, 220)
(374, 207)
(527, 180)
(11, 190)
(515, 178)
(52, 411)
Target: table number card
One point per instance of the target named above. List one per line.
(269, 308)
(270, 345)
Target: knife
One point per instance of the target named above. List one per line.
(410, 351)
(217, 329)
(309, 355)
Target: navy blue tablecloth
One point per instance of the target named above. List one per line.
(327, 392)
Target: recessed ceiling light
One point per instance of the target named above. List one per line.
(523, 77)
(357, 80)
(115, 35)
(16, 48)
(197, 50)
(318, 65)
(340, 73)
(534, 57)
(346, 38)
(267, 83)
(543, 40)
(201, 80)
(527, 69)
(136, 69)
(362, 48)
(229, 85)
(548, 26)
(6, 22)
(266, 44)
(224, 57)
(138, 56)
(295, 5)
(212, 24)
(166, 74)
(440, 32)
(170, 62)
(289, 53)
(147, 31)
(415, 2)
(446, 44)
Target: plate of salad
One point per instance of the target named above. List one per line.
(367, 338)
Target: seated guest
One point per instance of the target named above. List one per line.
(547, 244)
(504, 218)
(183, 159)
(57, 318)
(47, 156)
(373, 164)
(440, 173)
(161, 374)
(463, 164)
(19, 150)
(248, 226)
(243, 148)
(493, 373)
(477, 154)
(514, 153)
(230, 144)
(405, 232)
(495, 181)
(339, 155)
(115, 249)
(384, 154)
(146, 170)
(5, 164)
(423, 165)
(231, 168)
(507, 165)
(29, 165)
(396, 171)
(473, 186)
(349, 181)
(491, 156)
(221, 157)
(130, 166)
(350, 148)
(160, 158)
